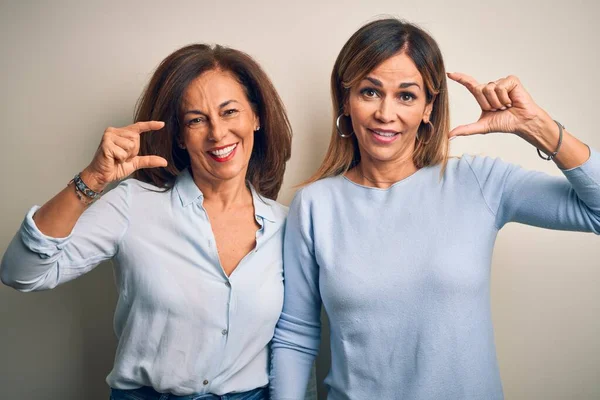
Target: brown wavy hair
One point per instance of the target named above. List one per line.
(368, 47)
(161, 101)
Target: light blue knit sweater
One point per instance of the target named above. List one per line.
(404, 275)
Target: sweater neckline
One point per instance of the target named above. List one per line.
(403, 181)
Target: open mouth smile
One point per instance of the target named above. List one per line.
(222, 154)
(384, 136)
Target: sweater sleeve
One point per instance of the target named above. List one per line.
(34, 261)
(297, 335)
(514, 194)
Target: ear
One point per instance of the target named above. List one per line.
(180, 142)
(427, 112)
(256, 123)
(346, 108)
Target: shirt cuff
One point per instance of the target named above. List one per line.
(36, 241)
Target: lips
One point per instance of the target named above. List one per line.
(384, 136)
(224, 153)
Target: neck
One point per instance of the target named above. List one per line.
(383, 174)
(222, 194)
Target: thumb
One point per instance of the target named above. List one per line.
(140, 162)
(475, 128)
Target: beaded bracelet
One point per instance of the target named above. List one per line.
(84, 193)
(560, 138)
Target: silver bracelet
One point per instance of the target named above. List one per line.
(560, 138)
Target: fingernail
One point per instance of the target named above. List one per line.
(493, 109)
(452, 138)
(509, 105)
(503, 108)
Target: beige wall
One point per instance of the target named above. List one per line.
(69, 69)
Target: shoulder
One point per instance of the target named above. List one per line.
(317, 195)
(279, 210)
(321, 189)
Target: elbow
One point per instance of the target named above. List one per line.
(594, 222)
(22, 286)
(12, 274)
(25, 270)
(294, 334)
(6, 275)
(9, 279)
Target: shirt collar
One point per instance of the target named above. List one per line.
(186, 188)
(189, 192)
(262, 207)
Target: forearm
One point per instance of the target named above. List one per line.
(57, 217)
(35, 260)
(290, 374)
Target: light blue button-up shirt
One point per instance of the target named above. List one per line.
(183, 326)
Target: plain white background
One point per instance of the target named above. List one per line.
(70, 69)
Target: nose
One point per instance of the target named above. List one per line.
(386, 112)
(218, 130)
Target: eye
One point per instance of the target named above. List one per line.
(196, 121)
(230, 112)
(369, 93)
(407, 97)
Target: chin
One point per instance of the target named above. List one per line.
(382, 154)
(228, 173)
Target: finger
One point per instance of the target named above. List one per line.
(502, 94)
(123, 132)
(489, 91)
(118, 154)
(145, 126)
(482, 99)
(475, 128)
(126, 144)
(140, 162)
(473, 86)
(466, 80)
(509, 84)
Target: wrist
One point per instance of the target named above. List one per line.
(542, 132)
(541, 129)
(93, 181)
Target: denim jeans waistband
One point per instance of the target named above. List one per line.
(148, 393)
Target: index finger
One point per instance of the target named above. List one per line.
(466, 80)
(145, 126)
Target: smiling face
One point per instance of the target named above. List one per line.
(218, 125)
(387, 108)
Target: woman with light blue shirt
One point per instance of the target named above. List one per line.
(395, 239)
(196, 235)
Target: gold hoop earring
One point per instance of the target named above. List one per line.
(339, 130)
(430, 129)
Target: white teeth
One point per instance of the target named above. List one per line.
(222, 153)
(386, 134)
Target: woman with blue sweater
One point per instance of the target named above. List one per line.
(395, 239)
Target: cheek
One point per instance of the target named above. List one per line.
(414, 114)
(361, 111)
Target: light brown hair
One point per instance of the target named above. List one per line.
(368, 47)
(161, 101)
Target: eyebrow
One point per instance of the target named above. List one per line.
(223, 104)
(403, 85)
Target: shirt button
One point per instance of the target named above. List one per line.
(224, 332)
(227, 284)
(205, 382)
